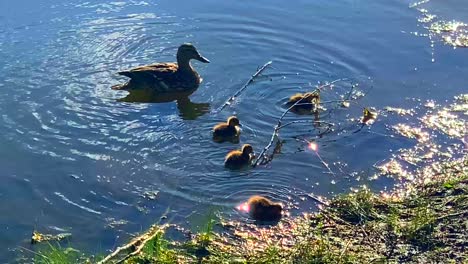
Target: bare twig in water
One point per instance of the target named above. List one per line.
(306, 121)
(134, 246)
(320, 157)
(279, 124)
(318, 200)
(232, 98)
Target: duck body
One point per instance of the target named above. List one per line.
(308, 102)
(264, 210)
(166, 77)
(238, 159)
(228, 131)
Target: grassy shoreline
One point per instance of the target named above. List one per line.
(422, 222)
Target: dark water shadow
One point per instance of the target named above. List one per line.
(188, 110)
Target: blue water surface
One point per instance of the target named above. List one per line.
(75, 159)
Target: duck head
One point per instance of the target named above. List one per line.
(187, 51)
(247, 150)
(233, 121)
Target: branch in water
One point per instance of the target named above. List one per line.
(279, 125)
(232, 98)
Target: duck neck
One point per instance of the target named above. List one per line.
(184, 64)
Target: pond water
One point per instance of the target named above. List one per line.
(75, 159)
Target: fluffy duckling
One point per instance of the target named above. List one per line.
(238, 159)
(227, 131)
(308, 102)
(263, 209)
(166, 76)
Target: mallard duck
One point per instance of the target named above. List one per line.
(227, 131)
(238, 159)
(264, 210)
(307, 104)
(166, 77)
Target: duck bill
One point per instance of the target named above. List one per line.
(202, 59)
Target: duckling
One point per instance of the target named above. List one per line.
(166, 77)
(227, 131)
(308, 102)
(264, 210)
(238, 159)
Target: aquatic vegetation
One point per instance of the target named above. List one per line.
(155, 250)
(39, 237)
(357, 207)
(55, 254)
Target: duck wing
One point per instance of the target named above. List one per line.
(157, 71)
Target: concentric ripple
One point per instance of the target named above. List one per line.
(73, 156)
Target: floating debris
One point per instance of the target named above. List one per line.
(151, 195)
(399, 111)
(39, 237)
(369, 116)
(418, 3)
(113, 223)
(345, 104)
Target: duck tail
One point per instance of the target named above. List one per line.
(122, 86)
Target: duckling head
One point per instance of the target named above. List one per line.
(187, 51)
(247, 149)
(276, 210)
(233, 121)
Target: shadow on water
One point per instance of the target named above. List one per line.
(188, 110)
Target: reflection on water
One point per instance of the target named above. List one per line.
(64, 131)
(188, 110)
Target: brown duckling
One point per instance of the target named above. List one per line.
(238, 159)
(308, 102)
(262, 209)
(227, 131)
(167, 76)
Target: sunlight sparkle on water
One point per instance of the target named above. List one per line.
(313, 146)
(243, 207)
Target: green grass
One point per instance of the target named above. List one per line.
(357, 207)
(156, 250)
(426, 226)
(55, 254)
